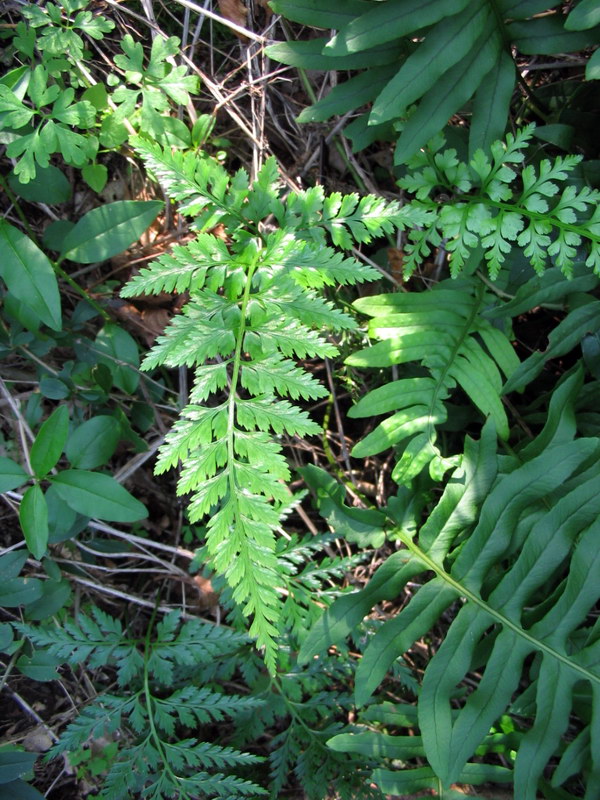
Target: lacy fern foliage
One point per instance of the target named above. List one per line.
(494, 208)
(155, 700)
(255, 307)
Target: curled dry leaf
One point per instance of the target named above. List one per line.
(264, 4)
(208, 598)
(148, 323)
(235, 11)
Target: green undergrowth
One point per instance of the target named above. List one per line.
(468, 661)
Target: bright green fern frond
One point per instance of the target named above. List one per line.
(253, 308)
(273, 374)
(489, 213)
(183, 269)
(198, 183)
(295, 339)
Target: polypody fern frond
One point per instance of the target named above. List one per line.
(514, 541)
(443, 330)
(253, 307)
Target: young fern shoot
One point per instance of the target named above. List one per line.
(254, 308)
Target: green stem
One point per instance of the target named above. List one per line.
(154, 734)
(535, 215)
(497, 616)
(235, 376)
(81, 291)
(292, 711)
(20, 213)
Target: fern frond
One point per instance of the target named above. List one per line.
(520, 551)
(98, 639)
(194, 336)
(192, 705)
(95, 721)
(183, 269)
(252, 308)
(447, 344)
(489, 212)
(452, 52)
(273, 374)
(295, 339)
(196, 183)
(155, 762)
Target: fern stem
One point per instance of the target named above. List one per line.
(491, 285)
(154, 735)
(463, 591)
(235, 376)
(554, 221)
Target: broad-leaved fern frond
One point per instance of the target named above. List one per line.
(443, 331)
(512, 546)
(420, 64)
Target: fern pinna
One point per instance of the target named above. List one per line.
(254, 306)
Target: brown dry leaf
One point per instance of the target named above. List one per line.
(220, 231)
(208, 597)
(396, 262)
(235, 11)
(268, 11)
(149, 323)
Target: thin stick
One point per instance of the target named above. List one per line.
(218, 18)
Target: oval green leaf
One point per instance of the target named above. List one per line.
(55, 595)
(33, 516)
(63, 522)
(11, 475)
(53, 388)
(41, 666)
(20, 789)
(19, 591)
(14, 763)
(115, 346)
(94, 442)
(6, 636)
(28, 274)
(50, 185)
(11, 564)
(50, 442)
(108, 230)
(96, 495)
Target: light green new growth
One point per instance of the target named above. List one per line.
(491, 211)
(255, 306)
